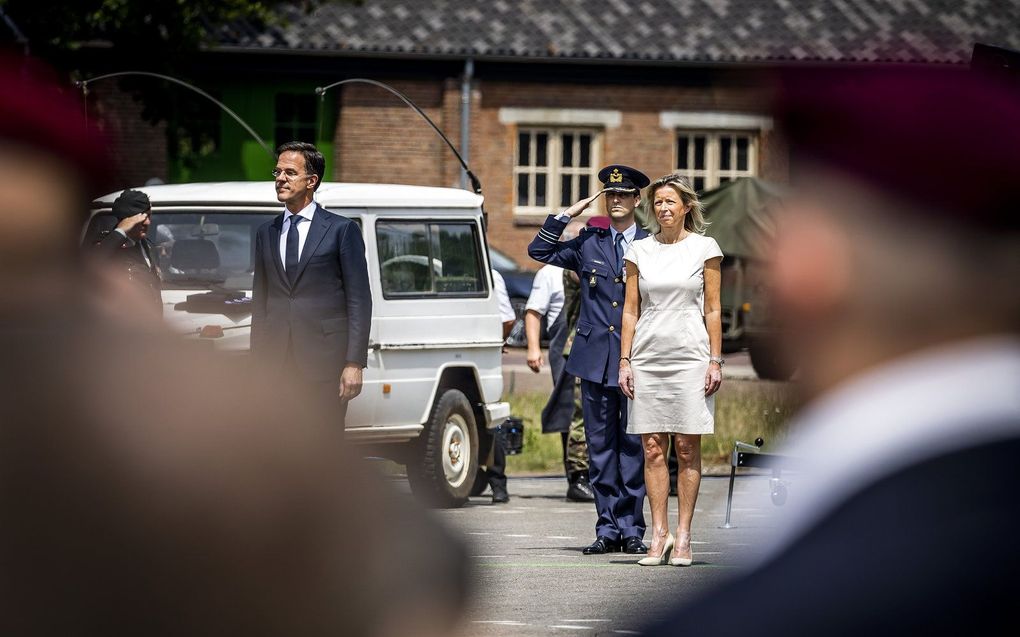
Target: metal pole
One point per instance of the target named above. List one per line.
(475, 184)
(465, 116)
(83, 84)
(729, 496)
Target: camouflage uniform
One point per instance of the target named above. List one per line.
(577, 448)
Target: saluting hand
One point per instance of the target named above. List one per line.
(580, 206)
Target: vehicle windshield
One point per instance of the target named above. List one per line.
(201, 250)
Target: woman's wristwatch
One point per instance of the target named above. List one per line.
(718, 360)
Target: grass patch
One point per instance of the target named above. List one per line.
(744, 410)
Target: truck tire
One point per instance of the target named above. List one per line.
(444, 472)
(767, 361)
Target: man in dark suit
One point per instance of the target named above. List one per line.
(894, 269)
(311, 302)
(616, 469)
(128, 249)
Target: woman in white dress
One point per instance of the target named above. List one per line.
(670, 363)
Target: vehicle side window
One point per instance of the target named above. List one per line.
(420, 259)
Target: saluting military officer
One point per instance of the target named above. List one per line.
(616, 469)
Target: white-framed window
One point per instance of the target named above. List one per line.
(712, 157)
(554, 167)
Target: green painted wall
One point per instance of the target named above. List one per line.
(238, 156)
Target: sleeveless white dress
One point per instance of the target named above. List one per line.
(670, 351)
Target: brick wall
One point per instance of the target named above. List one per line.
(139, 148)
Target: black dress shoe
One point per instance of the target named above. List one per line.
(634, 546)
(580, 491)
(500, 496)
(600, 546)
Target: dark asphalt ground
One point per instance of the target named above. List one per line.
(532, 578)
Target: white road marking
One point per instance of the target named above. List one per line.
(561, 537)
(570, 627)
(577, 621)
(709, 553)
(481, 556)
(697, 542)
(500, 622)
(516, 535)
(478, 533)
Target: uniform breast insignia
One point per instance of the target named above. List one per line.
(592, 282)
(616, 177)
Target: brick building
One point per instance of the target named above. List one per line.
(546, 92)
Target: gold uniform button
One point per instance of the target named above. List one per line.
(612, 328)
(615, 303)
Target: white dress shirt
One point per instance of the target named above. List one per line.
(546, 296)
(506, 310)
(308, 212)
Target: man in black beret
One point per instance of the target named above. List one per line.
(127, 246)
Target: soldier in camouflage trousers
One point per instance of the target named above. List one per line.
(563, 411)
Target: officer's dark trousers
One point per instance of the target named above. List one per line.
(616, 463)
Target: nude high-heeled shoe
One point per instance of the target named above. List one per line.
(682, 560)
(660, 559)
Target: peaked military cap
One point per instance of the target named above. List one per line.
(623, 178)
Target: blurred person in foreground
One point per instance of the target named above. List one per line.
(168, 499)
(548, 300)
(671, 356)
(896, 268)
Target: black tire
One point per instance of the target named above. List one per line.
(481, 483)
(767, 361)
(444, 472)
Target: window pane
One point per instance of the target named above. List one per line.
(404, 259)
(523, 149)
(305, 107)
(682, 143)
(742, 153)
(566, 197)
(284, 107)
(584, 161)
(456, 265)
(725, 144)
(522, 190)
(699, 153)
(583, 187)
(541, 141)
(540, 189)
(568, 151)
(699, 184)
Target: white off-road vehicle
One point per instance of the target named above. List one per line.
(431, 397)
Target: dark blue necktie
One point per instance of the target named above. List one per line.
(619, 251)
(293, 247)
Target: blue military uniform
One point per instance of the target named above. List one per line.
(616, 468)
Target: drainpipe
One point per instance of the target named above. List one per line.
(465, 117)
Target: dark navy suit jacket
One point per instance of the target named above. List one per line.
(595, 354)
(326, 316)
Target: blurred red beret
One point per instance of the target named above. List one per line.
(947, 140)
(38, 112)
